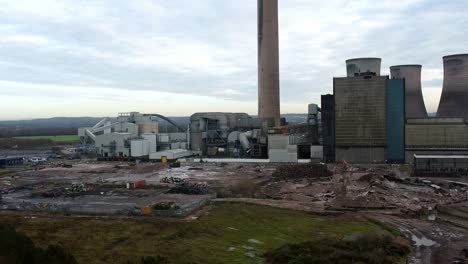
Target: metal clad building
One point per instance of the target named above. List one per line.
(360, 111)
(437, 133)
(395, 120)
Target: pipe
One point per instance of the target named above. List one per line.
(244, 140)
(102, 122)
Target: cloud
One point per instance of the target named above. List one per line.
(207, 48)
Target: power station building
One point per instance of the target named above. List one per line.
(373, 119)
(132, 136)
(363, 104)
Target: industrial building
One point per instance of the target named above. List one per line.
(216, 134)
(229, 135)
(132, 136)
(440, 166)
(374, 119)
(363, 103)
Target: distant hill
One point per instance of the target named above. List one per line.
(70, 125)
(63, 122)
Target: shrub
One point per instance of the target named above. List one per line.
(19, 249)
(370, 249)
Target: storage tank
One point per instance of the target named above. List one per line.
(454, 99)
(149, 127)
(359, 66)
(414, 101)
(268, 61)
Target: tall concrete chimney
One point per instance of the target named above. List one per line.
(268, 61)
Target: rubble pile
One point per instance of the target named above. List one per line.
(199, 188)
(166, 206)
(301, 171)
(172, 180)
(358, 188)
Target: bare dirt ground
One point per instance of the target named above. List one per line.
(385, 193)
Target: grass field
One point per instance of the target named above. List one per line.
(6, 171)
(59, 138)
(225, 235)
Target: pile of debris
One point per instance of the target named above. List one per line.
(199, 188)
(166, 206)
(76, 189)
(285, 172)
(363, 188)
(172, 180)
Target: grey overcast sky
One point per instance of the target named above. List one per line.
(177, 57)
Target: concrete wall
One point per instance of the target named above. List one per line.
(437, 135)
(361, 155)
(279, 149)
(126, 128)
(104, 144)
(148, 127)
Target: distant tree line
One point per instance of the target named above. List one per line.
(53, 131)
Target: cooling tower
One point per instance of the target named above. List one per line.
(268, 61)
(359, 66)
(414, 102)
(454, 100)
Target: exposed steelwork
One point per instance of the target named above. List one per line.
(268, 61)
(454, 100)
(414, 102)
(360, 66)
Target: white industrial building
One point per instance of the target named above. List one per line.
(133, 136)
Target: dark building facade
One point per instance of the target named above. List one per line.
(328, 127)
(395, 121)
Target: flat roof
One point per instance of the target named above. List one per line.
(441, 156)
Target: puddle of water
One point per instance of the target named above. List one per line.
(250, 254)
(255, 241)
(424, 241)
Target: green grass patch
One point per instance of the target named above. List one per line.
(391, 229)
(6, 171)
(229, 233)
(405, 169)
(59, 138)
(369, 248)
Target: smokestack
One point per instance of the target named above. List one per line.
(454, 100)
(360, 66)
(268, 61)
(414, 102)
